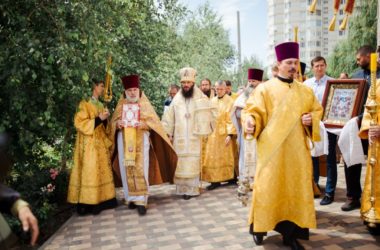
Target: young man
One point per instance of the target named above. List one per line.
(142, 153)
(91, 184)
(277, 115)
(318, 84)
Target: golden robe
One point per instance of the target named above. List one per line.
(219, 162)
(179, 122)
(366, 195)
(91, 180)
(162, 157)
(283, 179)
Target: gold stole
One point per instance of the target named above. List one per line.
(289, 116)
(129, 143)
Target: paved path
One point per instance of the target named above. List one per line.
(215, 220)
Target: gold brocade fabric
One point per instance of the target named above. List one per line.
(162, 157)
(366, 195)
(91, 180)
(219, 159)
(178, 121)
(283, 179)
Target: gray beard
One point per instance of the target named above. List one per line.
(131, 100)
(248, 90)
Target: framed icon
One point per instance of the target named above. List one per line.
(343, 99)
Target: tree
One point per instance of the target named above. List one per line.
(206, 46)
(362, 31)
(50, 51)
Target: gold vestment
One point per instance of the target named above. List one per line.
(219, 162)
(283, 180)
(91, 180)
(162, 158)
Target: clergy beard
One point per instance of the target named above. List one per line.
(207, 93)
(248, 90)
(189, 93)
(131, 100)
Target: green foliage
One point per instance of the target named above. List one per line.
(362, 31)
(206, 45)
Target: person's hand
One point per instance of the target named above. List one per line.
(142, 125)
(119, 124)
(249, 125)
(306, 119)
(29, 222)
(373, 134)
(104, 115)
(227, 141)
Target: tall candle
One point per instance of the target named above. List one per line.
(373, 65)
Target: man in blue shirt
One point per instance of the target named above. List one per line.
(318, 84)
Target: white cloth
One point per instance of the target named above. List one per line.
(350, 144)
(321, 147)
(120, 147)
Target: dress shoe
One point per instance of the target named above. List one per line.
(258, 239)
(132, 205)
(233, 181)
(96, 210)
(141, 209)
(186, 197)
(327, 200)
(213, 185)
(375, 231)
(292, 243)
(350, 204)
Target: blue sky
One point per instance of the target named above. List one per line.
(253, 23)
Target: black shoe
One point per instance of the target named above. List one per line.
(350, 205)
(258, 239)
(232, 182)
(132, 205)
(186, 197)
(141, 209)
(81, 210)
(327, 200)
(375, 231)
(292, 243)
(213, 185)
(96, 210)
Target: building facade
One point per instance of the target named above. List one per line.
(313, 35)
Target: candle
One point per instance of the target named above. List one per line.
(373, 64)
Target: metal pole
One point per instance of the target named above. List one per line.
(239, 50)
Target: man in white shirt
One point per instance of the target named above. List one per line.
(318, 84)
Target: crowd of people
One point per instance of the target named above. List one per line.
(258, 137)
(264, 132)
